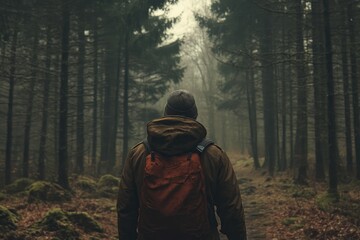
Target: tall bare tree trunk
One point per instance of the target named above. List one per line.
(27, 127)
(8, 160)
(63, 106)
(317, 46)
(332, 139)
(251, 99)
(346, 89)
(301, 123)
(266, 48)
(126, 98)
(45, 108)
(95, 96)
(80, 140)
(354, 84)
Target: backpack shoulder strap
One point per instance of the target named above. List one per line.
(201, 147)
(147, 145)
(204, 144)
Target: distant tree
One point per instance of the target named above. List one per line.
(9, 136)
(346, 88)
(80, 138)
(30, 102)
(301, 140)
(63, 98)
(354, 82)
(317, 49)
(333, 147)
(45, 106)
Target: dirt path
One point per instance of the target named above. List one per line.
(257, 214)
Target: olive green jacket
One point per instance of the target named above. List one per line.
(175, 135)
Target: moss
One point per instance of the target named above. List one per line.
(289, 221)
(19, 185)
(56, 221)
(47, 192)
(65, 224)
(108, 181)
(8, 219)
(84, 221)
(3, 196)
(326, 201)
(86, 184)
(108, 186)
(296, 226)
(297, 191)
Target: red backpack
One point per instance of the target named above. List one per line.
(173, 197)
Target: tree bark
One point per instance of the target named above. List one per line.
(63, 98)
(300, 150)
(126, 98)
(346, 90)
(80, 141)
(95, 97)
(354, 85)
(27, 127)
(332, 140)
(266, 47)
(45, 108)
(8, 160)
(317, 77)
(251, 99)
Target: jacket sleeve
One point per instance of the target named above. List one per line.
(127, 202)
(228, 202)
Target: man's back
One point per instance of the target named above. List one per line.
(175, 136)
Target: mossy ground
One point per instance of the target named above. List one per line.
(8, 219)
(79, 217)
(108, 186)
(47, 192)
(275, 208)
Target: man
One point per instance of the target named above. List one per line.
(175, 134)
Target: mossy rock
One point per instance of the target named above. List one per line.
(65, 224)
(84, 221)
(108, 181)
(108, 186)
(56, 221)
(20, 185)
(8, 220)
(86, 184)
(47, 192)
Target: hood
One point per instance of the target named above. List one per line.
(173, 135)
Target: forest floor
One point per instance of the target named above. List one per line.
(275, 209)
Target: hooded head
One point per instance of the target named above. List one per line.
(181, 103)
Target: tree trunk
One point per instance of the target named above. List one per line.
(301, 123)
(251, 100)
(266, 47)
(282, 156)
(8, 160)
(63, 106)
(95, 100)
(80, 141)
(317, 77)
(108, 123)
(113, 138)
(346, 89)
(332, 140)
(354, 85)
(45, 109)
(27, 127)
(126, 98)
